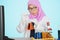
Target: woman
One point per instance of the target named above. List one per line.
(35, 15)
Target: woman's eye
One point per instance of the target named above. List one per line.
(35, 7)
(30, 8)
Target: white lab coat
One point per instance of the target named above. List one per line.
(39, 26)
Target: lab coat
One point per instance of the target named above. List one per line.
(40, 26)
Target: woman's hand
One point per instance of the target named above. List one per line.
(48, 24)
(49, 28)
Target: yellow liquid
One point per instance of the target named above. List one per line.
(32, 38)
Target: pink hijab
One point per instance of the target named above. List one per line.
(40, 13)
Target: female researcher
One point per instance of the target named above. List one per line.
(35, 15)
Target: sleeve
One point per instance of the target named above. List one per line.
(22, 24)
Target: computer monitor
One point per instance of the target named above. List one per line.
(1, 22)
(59, 34)
(2, 25)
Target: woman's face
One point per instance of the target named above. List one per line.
(33, 9)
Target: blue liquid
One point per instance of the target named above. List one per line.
(38, 35)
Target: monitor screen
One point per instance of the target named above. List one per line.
(1, 22)
(59, 34)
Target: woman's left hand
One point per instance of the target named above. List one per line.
(49, 28)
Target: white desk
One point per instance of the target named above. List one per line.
(26, 39)
(22, 38)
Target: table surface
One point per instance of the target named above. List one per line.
(26, 39)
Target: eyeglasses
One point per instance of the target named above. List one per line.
(32, 8)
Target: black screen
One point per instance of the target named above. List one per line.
(1, 22)
(58, 33)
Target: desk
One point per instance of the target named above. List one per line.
(27, 39)
(22, 38)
